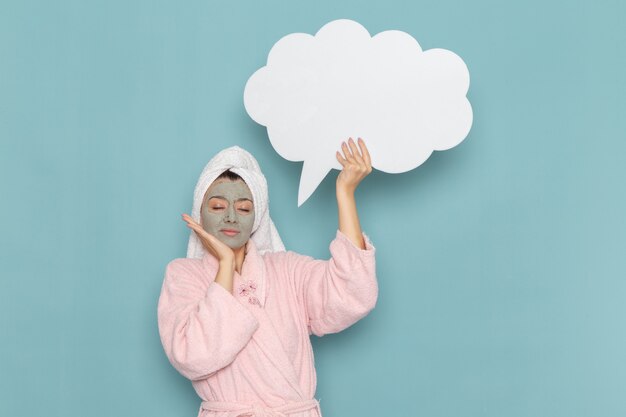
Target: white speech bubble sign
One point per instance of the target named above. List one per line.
(317, 91)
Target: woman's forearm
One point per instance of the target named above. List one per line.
(225, 275)
(348, 217)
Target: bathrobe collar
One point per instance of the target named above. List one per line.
(249, 287)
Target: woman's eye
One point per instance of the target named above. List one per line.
(217, 207)
(245, 210)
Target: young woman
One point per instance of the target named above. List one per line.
(235, 316)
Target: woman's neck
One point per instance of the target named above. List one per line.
(240, 255)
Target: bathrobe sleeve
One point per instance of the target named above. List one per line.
(336, 293)
(202, 326)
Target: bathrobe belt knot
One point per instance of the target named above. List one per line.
(244, 410)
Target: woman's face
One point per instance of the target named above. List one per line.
(228, 212)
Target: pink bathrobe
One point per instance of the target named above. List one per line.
(249, 353)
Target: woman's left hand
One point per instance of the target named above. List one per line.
(356, 163)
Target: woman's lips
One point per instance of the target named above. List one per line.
(229, 232)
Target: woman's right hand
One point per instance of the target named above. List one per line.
(223, 253)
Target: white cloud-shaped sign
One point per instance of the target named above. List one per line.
(316, 91)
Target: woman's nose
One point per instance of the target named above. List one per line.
(231, 215)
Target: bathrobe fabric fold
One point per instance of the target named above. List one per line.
(249, 353)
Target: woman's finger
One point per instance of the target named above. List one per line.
(357, 154)
(366, 155)
(211, 243)
(346, 152)
(188, 219)
(341, 159)
(208, 240)
(197, 229)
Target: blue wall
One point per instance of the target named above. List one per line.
(503, 295)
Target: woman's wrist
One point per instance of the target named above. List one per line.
(227, 264)
(224, 277)
(348, 216)
(345, 192)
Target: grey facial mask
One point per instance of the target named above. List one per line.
(224, 208)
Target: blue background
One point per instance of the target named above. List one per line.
(500, 261)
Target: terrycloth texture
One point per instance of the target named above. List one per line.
(242, 163)
(257, 356)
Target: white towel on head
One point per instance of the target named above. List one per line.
(241, 162)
